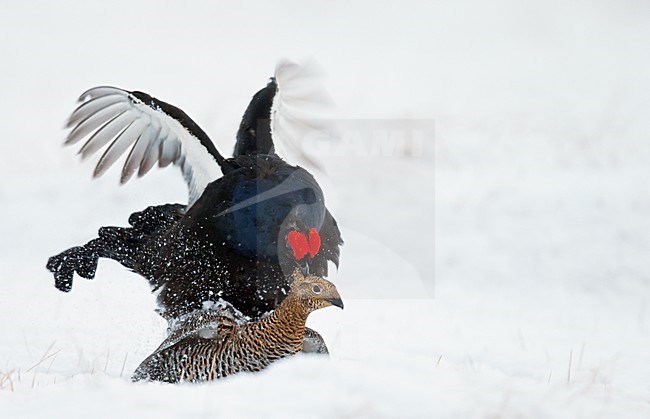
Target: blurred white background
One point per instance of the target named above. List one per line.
(527, 219)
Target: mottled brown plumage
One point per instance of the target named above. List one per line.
(213, 343)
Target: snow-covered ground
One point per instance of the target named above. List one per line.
(500, 271)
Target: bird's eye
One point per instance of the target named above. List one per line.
(316, 289)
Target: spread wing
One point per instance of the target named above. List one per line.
(152, 131)
(291, 107)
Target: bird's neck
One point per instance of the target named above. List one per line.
(290, 314)
(283, 330)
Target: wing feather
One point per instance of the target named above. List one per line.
(292, 107)
(106, 133)
(119, 146)
(150, 131)
(136, 155)
(90, 123)
(168, 150)
(98, 91)
(91, 107)
(151, 155)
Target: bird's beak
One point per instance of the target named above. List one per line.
(336, 302)
(304, 269)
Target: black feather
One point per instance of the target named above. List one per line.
(254, 134)
(187, 122)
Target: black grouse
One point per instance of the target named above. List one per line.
(250, 220)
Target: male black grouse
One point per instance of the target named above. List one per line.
(250, 220)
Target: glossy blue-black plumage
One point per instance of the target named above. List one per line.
(231, 243)
(254, 134)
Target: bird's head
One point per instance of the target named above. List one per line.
(313, 292)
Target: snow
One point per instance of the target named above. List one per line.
(498, 271)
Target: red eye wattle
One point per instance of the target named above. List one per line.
(298, 243)
(314, 242)
(303, 245)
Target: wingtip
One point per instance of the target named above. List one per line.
(99, 170)
(288, 69)
(101, 91)
(68, 123)
(127, 172)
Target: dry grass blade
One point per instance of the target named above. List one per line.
(568, 374)
(108, 355)
(52, 361)
(45, 358)
(6, 378)
(124, 364)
